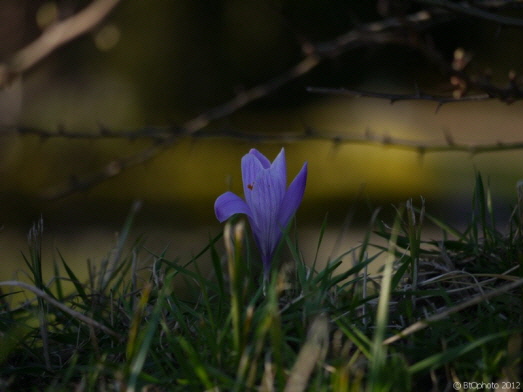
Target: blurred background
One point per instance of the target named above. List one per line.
(161, 63)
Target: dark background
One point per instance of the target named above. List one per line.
(161, 63)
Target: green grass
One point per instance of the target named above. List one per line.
(435, 313)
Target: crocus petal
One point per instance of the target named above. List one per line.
(293, 196)
(264, 200)
(228, 204)
(262, 158)
(251, 168)
(279, 170)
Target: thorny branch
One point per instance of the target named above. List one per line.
(378, 32)
(418, 96)
(158, 135)
(389, 30)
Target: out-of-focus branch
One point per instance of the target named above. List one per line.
(53, 37)
(389, 30)
(377, 32)
(418, 96)
(162, 136)
(190, 127)
(373, 32)
(159, 134)
(155, 134)
(465, 8)
(248, 96)
(380, 32)
(508, 95)
(369, 139)
(502, 4)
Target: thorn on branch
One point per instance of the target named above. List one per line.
(104, 132)
(309, 131)
(461, 59)
(449, 138)
(113, 168)
(61, 130)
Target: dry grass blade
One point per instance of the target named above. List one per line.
(313, 351)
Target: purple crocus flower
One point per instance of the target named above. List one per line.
(269, 204)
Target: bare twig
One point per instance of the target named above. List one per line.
(251, 95)
(159, 134)
(55, 36)
(156, 134)
(162, 137)
(419, 96)
(380, 32)
(112, 169)
(190, 127)
(376, 32)
(517, 4)
(507, 95)
(116, 166)
(466, 9)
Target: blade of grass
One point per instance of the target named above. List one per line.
(356, 336)
(218, 268)
(446, 227)
(35, 250)
(377, 362)
(74, 279)
(450, 354)
(112, 267)
(42, 294)
(198, 367)
(320, 239)
(139, 343)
